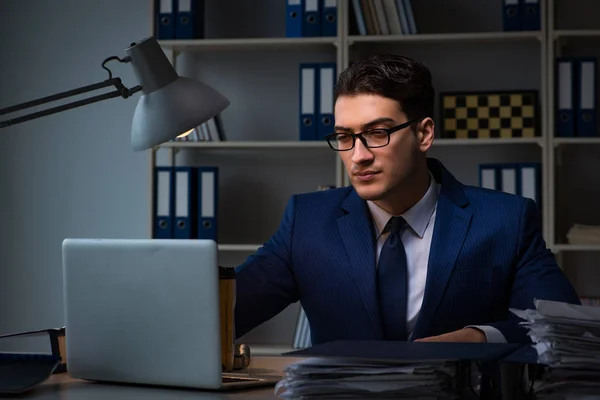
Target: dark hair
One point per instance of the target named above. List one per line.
(393, 76)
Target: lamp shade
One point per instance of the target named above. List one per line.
(170, 104)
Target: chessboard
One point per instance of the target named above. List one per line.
(501, 114)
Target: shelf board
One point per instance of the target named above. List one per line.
(577, 140)
(582, 33)
(576, 247)
(239, 247)
(247, 43)
(289, 144)
(448, 37)
(486, 141)
(323, 145)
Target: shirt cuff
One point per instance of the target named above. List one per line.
(492, 334)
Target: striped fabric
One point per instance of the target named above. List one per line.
(487, 255)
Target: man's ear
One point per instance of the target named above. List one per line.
(425, 133)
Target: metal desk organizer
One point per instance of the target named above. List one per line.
(233, 357)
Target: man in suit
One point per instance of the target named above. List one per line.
(407, 252)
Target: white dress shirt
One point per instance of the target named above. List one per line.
(417, 242)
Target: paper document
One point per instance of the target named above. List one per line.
(566, 338)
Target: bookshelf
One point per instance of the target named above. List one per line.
(462, 41)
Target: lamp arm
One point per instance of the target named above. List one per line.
(121, 91)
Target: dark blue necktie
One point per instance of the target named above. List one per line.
(392, 280)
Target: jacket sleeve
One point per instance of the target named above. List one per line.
(265, 283)
(536, 275)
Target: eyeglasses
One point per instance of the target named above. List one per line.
(372, 138)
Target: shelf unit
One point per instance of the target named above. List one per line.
(458, 60)
(560, 40)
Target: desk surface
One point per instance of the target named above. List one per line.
(63, 387)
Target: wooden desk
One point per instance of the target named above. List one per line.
(63, 387)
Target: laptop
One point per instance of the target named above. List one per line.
(146, 311)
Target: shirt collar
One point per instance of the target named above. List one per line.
(417, 217)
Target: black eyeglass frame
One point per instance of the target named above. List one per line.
(364, 141)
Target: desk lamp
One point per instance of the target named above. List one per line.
(170, 106)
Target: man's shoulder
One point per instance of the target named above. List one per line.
(324, 197)
(494, 201)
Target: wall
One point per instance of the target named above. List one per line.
(70, 174)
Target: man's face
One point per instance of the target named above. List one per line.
(375, 173)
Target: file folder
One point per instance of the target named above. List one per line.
(327, 74)
(529, 180)
(530, 15)
(189, 22)
(509, 178)
(511, 15)
(311, 23)
(488, 176)
(376, 350)
(565, 84)
(308, 100)
(185, 203)
(586, 94)
(163, 203)
(208, 200)
(164, 20)
(329, 18)
(293, 18)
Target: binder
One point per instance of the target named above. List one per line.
(529, 180)
(327, 74)
(189, 21)
(488, 176)
(164, 19)
(511, 15)
(293, 18)
(311, 22)
(308, 101)
(509, 178)
(360, 17)
(163, 202)
(565, 105)
(530, 15)
(328, 17)
(208, 200)
(184, 226)
(587, 121)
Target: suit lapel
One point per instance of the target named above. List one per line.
(451, 226)
(356, 230)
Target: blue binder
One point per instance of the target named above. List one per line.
(511, 15)
(530, 15)
(565, 79)
(309, 84)
(189, 21)
(326, 80)
(164, 19)
(208, 201)
(163, 203)
(587, 120)
(186, 192)
(293, 18)
(328, 17)
(311, 22)
(529, 181)
(489, 176)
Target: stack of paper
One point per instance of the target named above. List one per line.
(330, 377)
(567, 339)
(580, 234)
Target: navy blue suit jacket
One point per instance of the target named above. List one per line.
(487, 255)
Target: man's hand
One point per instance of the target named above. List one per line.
(471, 335)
